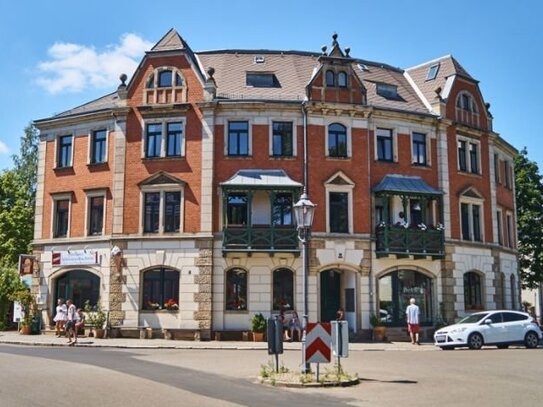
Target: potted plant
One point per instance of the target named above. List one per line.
(258, 326)
(96, 318)
(379, 331)
(26, 300)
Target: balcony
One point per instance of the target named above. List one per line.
(405, 242)
(260, 239)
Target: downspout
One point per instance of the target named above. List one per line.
(305, 161)
(372, 203)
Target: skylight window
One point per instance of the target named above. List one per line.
(259, 59)
(432, 72)
(262, 80)
(387, 91)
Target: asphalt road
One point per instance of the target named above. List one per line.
(47, 376)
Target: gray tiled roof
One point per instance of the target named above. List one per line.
(405, 184)
(104, 103)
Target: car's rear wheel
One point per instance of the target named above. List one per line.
(447, 347)
(503, 346)
(475, 341)
(531, 340)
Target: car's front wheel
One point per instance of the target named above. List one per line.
(475, 341)
(531, 340)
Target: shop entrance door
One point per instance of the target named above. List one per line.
(80, 286)
(330, 294)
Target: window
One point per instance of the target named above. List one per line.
(337, 140)
(471, 221)
(236, 290)
(468, 156)
(262, 80)
(466, 102)
(507, 173)
(419, 149)
(164, 139)
(160, 289)
(282, 209)
(282, 139)
(342, 79)
(62, 217)
(98, 142)
(472, 291)
(64, 153)
(162, 211)
(467, 111)
(509, 225)
(384, 145)
(153, 140)
(432, 72)
(96, 215)
(283, 289)
(238, 138)
(174, 134)
(165, 79)
(165, 85)
(496, 168)
(513, 292)
(330, 78)
(499, 226)
(236, 209)
(387, 91)
(339, 212)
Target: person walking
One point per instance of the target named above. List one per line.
(79, 324)
(412, 314)
(71, 320)
(60, 317)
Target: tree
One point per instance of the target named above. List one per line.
(10, 283)
(17, 199)
(529, 197)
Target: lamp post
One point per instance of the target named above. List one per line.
(304, 210)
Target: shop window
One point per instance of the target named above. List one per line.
(473, 299)
(160, 289)
(236, 290)
(283, 289)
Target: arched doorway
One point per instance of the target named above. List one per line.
(330, 287)
(79, 285)
(395, 291)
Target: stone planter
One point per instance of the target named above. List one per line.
(258, 336)
(379, 333)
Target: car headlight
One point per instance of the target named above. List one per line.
(458, 330)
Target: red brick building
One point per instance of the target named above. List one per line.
(170, 200)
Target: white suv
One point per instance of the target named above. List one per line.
(500, 328)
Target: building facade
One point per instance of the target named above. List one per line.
(169, 201)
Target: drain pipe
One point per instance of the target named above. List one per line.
(305, 160)
(370, 274)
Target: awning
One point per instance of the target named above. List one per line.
(262, 179)
(406, 185)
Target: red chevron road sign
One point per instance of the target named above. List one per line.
(318, 338)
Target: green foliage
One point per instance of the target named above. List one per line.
(94, 316)
(529, 198)
(23, 296)
(258, 323)
(375, 320)
(9, 285)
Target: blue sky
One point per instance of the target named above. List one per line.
(59, 54)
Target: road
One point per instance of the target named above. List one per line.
(47, 376)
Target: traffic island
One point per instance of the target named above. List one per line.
(331, 377)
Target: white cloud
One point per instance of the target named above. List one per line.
(75, 67)
(3, 148)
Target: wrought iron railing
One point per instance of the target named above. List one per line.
(410, 241)
(260, 238)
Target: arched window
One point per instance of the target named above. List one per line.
(513, 292)
(165, 85)
(342, 79)
(236, 290)
(165, 79)
(330, 78)
(283, 289)
(337, 140)
(160, 289)
(395, 291)
(473, 299)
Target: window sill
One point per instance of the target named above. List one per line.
(421, 166)
(159, 311)
(63, 169)
(169, 158)
(329, 157)
(238, 157)
(236, 312)
(283, 157)
(386, 161)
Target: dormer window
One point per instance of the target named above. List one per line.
(466, 102)
(342, 79)
(262, 80)
(165, 85)
(432, 72)
(336, 80)
(330, 78)
(387, 91)
(467, 111)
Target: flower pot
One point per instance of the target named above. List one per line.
(379, 333)
(26, 330)
(99, 333)
(258, 336)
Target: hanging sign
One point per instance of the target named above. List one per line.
(75, 257)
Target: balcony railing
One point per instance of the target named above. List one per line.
(260, 239)
(410, 241)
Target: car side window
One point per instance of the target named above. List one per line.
(496, 318)
(512, 317)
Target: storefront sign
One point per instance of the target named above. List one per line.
(75, 257)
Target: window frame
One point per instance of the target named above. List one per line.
(56, 198)
(342, 79)
(175, 93)
(330, 132)
(227, 138)
(292, 141)
(330, 78)
(93, 146)
(419, 146)
(59, 163)
(346, 187)
(239, 305)
(102, 193)
(472, 230)
(278, 299)
(162, 288)
(161, 190)
(380, 144)
(499, 226)
(164, 124)
(509, 229)
(252, 81)
(475, 286)
(465, 155)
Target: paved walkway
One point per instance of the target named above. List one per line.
(13, 337)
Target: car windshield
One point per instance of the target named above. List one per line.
(472, 319)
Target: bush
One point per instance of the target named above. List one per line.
(258, 323)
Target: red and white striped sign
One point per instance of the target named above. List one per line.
(318, 338)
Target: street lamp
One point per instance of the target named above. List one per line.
(304, 210)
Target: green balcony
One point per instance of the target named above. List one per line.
(415, 242)
(260, 239)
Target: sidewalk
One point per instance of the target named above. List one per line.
(14, 338)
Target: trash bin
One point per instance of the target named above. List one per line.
(36, 325)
